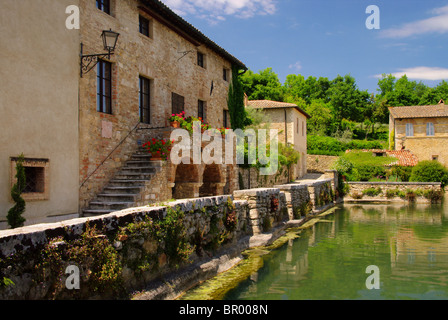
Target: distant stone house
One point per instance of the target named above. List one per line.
(421, 129)
(291, 122)
(82, 134)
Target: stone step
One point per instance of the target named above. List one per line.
(116, 197)
(146, 169)
(141, 155)
(134, 175)
(127, 183)
(112, 206)
(122, 189)
(138, 163)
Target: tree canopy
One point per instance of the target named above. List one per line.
(334, 102)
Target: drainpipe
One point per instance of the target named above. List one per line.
(286, 130)
(286, 142)
(395, 134)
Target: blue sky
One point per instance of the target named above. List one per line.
(324, 38)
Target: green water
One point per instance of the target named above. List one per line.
(409, 245)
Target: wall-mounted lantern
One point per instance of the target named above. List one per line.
(89, 61)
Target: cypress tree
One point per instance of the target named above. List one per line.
(235, 102)
(15, 219)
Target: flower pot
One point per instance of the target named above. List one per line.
(156, 156)
(175, 124)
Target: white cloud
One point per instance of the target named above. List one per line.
(436, 24)
(296, 66)
(216, 10)
(421, 73)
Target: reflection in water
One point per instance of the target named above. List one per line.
(409, 244)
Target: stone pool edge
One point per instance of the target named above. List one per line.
(174, 285)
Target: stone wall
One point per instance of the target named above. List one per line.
(250, 178)
(423, 192)
(265, 209)
(167, 59)
(133, 249)
(320, 163)
(159, 188)
(297, 198)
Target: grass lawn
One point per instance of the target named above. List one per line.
(367, 159)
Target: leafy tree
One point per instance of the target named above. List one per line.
(429, 171)
(386, 85)
(263, 85)
(14, 216)
(346, 99)
(297, 88)
(433, 95)
(403, 92)
(321, 121)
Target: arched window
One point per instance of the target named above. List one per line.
(409, 130)
(430, 129)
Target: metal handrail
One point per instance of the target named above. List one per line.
(109, 155)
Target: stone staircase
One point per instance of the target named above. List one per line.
(124, 189)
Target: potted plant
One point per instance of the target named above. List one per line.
(188, 124)
(223, 131)
(177, 119)
(159, 148)
(205, 127)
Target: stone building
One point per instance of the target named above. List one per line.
(162, 65)
(291, 122)
(421, 129)
(81, 131)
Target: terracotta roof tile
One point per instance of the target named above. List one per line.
(269, 104)
(434, 111)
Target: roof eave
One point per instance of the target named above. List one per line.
(284, 107)
(165, 15)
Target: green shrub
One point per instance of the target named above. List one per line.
(363, 144)
(367, 172)
(343, 165)
(324, 152)
(403, 173)
(327, 144)
(372, 192)
(429, 171)
(393, 178)
(391, 193)
(331, 146)
(433, 195)
(356, 195)
(410, 195)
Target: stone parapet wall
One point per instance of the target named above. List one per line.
(297, 197)
(142, 245)
(265, 210)
(250, 178)
(423, 192)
